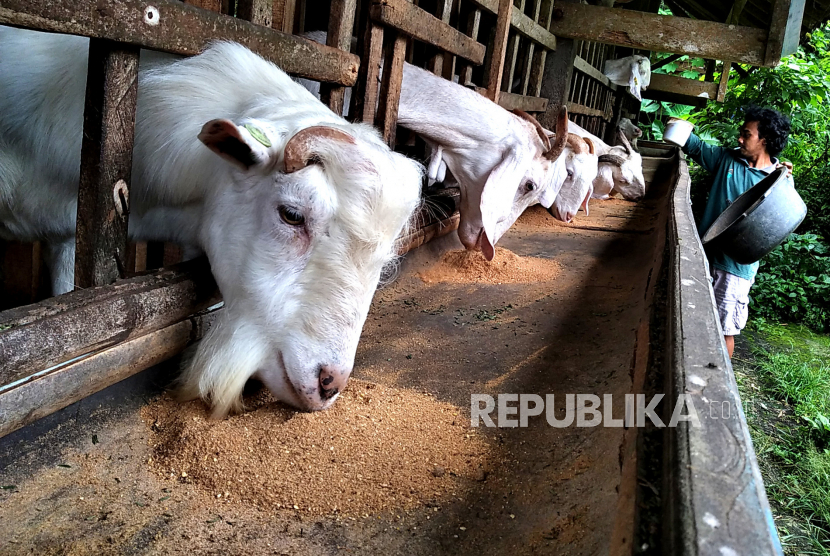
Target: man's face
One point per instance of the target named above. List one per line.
(751, 145)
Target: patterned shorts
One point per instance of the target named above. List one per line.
(731, 299)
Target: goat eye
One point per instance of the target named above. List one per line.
(530, 186)
(291, 216)
(570, 173)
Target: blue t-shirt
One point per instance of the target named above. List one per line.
(733, 176)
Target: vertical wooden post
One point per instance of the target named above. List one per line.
(724, 81)
(556, 83)
(341, 23)
(537, 73)
(465, 76)
(390, 88)
(106, 160)
(260, 12)
(436, 64)
(496, 68)
(511, 57)
(365, 92)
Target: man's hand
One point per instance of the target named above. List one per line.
(788, 165)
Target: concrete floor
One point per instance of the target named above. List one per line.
(555, 491)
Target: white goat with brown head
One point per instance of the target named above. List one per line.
(298, 214)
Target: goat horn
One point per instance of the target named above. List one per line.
(590, 145)
(300, 148)
(561, 135)
(539, 129)
(626, 144)
(611, 159)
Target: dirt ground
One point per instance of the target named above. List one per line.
(81, 481)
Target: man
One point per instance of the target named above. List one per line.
(762, 137)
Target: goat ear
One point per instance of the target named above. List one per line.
(587, 198)
(242, 146)
(497, 197)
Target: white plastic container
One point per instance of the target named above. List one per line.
(677, 132)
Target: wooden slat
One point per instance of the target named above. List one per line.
(390, 88)
(724, 81)
(540, 56)
(522, 24)
(682, 86)
(425, 27)
(512, 101)
(785, 30)
(365, 97)
(58, 388)
(260, 12)
(436, 64)
(106, 162)
(676, 98)
(341, 23)
(704, 39)
(180, 29)
(465, 75)
(55, 330)
(499, 50)
(574, 108)
(590, 70)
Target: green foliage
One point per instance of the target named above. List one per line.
(789, 419)
(793, 283)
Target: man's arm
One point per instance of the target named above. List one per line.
(706, 155)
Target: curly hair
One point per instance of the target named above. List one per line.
(772, 126)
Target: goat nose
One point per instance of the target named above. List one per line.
(332, 380)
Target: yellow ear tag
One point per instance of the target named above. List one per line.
(258, 134)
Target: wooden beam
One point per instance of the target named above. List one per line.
(106, 162)
(420, 25)
(724, 81)
(675, 98)
(591, 71)
(57, 329)
(465, 75)
(682, 86)
(365, 94)
(703, 39)
(171, 26)
(556, 84)
(57, 388)
(785, 30)
(499, 50)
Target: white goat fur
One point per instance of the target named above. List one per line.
(627, 179)
(296, 297)
(496, 157)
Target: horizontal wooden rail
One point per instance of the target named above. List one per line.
(38, 336)
(593, 72)
(575, 108)
(172, 26)
(59, 387)
(661, 33)
(522, 23)
(683, 86)
(415, 22)
(512, 101)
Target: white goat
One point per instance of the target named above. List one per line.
(620, 168)
(298, 213)
(503, 161)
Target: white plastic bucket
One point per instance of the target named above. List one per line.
(677, 132)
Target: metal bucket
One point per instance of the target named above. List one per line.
(759, 220)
